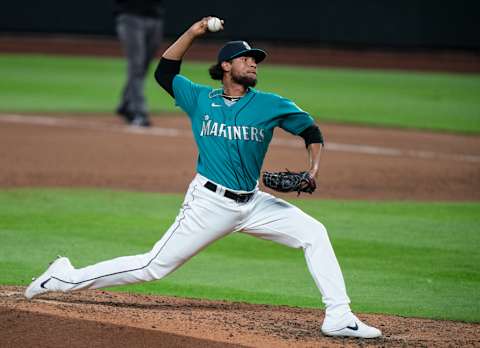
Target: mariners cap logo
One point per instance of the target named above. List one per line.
(233, 49)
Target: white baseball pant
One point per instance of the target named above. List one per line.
(206, 216)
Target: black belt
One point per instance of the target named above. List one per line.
(237, 197)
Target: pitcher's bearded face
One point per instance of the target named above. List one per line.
(244, 71)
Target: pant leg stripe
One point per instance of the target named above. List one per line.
(186, 207)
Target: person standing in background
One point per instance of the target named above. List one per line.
(139, 25)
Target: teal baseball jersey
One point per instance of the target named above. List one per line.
(233, 140)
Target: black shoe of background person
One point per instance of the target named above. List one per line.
(141, 121)
(123, 112)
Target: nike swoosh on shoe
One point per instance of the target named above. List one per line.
(354, 328)
(42, 285)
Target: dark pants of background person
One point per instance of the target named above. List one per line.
(140, 37)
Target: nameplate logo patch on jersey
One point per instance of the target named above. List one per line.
(215, 129)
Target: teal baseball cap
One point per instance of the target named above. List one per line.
(234, 49)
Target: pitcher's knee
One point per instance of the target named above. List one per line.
(317, 233)
(159, 268)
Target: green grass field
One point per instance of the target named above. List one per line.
(411, 259)
(436, 101)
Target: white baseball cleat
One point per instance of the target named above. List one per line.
(40, 285)
(354, 329)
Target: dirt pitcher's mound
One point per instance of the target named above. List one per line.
(106, 319)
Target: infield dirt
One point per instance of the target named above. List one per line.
(359, 162)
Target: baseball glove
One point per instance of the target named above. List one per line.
(289, 181)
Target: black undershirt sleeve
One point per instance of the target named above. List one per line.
(312, 135)
(165, 72)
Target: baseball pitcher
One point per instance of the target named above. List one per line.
(233, 126)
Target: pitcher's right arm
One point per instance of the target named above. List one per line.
(169, 64)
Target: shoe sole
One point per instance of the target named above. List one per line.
(349, 333)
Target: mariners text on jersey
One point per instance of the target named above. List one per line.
(232, 139)
(211, 128)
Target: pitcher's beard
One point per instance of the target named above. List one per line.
(245, 81)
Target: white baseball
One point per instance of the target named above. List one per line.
(214, 24)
